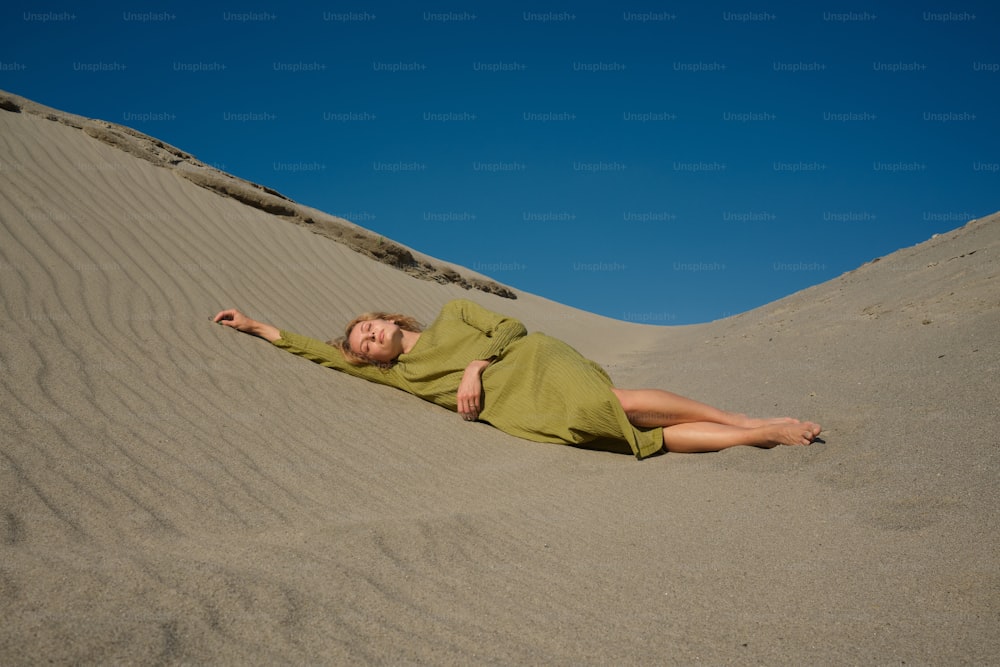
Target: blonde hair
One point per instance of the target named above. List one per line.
(343, 343)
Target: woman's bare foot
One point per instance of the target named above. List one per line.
(788, 433)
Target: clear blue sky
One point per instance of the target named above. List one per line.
(660, 162)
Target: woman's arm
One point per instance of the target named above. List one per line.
(499, 330)
(302, 346)
(470, 390)
(237, 320)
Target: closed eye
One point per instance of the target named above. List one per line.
(365, 328)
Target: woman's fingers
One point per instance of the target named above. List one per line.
(469, 408)
(470, 390)
(231, 318)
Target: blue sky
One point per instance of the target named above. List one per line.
(660, 162)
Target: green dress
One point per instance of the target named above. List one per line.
(537, 387)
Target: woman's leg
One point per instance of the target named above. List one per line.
(711, 437)
(656, 407)
(690, 426)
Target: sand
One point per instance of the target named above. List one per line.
(172, 491)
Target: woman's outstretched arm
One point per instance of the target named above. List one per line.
(237, 320)
(303, 346)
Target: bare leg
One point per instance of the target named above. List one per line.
(656, 407)
(710, 437)
(690, 426)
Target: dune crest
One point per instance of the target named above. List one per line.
(257, 196)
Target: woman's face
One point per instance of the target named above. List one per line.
(378, 340)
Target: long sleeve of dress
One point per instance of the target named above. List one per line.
(330, 357)
(499, 330)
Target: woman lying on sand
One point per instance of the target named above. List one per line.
(488, 368)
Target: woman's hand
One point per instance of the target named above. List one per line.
(237, 320)
(470, 390)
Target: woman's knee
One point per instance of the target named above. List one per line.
(626, 398)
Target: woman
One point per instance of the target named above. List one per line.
(487, 367)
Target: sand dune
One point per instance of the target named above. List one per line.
(172, 491)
